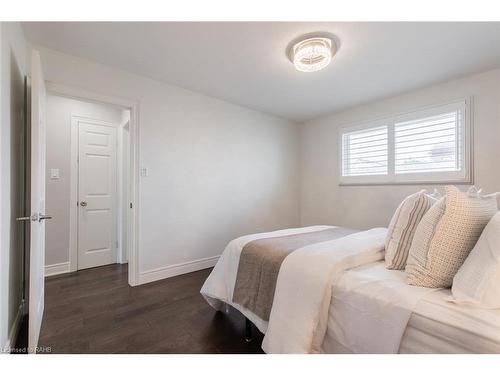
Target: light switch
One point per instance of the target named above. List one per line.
(54, 173)
(144, 172)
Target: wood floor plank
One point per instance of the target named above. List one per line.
(96, 311)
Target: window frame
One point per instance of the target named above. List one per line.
(465, 176)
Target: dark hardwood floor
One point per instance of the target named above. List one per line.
(96, 311)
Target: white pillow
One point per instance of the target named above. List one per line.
(446, 235)
(478, 280)
(402, 228)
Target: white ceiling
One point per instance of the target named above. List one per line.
(245, 62)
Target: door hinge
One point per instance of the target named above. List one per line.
(131, 205)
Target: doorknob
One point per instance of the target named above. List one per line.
(83, 204)
(34, 217)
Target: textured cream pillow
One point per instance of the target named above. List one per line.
(402, 228)
(445, 236)
(478, 280)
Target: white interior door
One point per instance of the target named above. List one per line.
(97, 242)
(37, 201)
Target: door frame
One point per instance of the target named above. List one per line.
(74, 186)
(133, 106)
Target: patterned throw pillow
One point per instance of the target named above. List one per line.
(477, 282)
(446, 235)
(402, 228)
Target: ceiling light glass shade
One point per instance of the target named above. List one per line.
(312, 54)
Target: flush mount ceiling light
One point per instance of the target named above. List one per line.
(312, 54)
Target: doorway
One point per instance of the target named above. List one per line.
(88, 193)
(128, 170)
(32, 154)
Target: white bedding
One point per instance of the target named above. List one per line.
(435, 325)
(219, 287)
(299, 315)
(370, 309)
(440, 326)
(300, 308)
(302, 312)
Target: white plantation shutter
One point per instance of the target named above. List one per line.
(430, 144)
(365, 152)
(425, 146)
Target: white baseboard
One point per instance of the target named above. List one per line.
(176, 269)
(56, 269)
(14, 330)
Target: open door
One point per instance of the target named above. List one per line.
(37, 188)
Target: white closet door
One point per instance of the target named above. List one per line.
(96, 194)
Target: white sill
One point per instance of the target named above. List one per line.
(423, 182)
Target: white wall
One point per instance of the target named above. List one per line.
(58, 118)
(12, 71)
(324, 201)
(216, 170)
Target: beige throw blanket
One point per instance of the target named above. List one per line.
(260, 262)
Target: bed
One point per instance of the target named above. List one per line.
(436, 325)
(334, 295)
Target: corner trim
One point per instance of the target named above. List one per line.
(57, 269)
(177, 269)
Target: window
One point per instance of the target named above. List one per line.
(365, 152)
(425, 146)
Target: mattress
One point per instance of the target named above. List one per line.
(439, 326)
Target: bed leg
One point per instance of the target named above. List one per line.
(248, 330)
